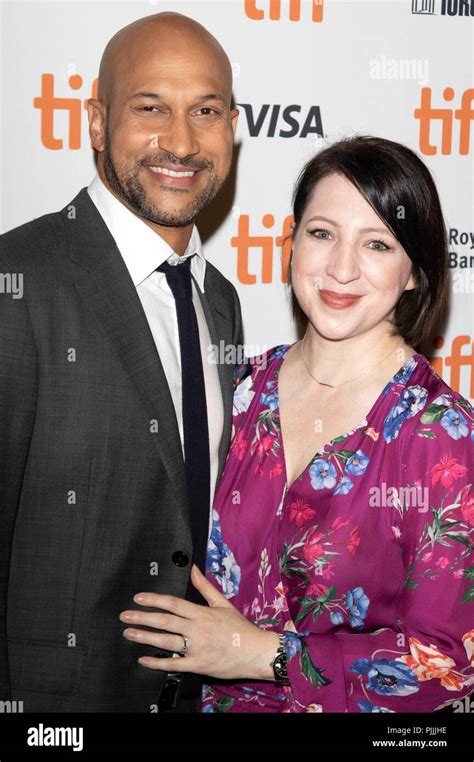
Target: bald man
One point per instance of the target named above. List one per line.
(115, 415)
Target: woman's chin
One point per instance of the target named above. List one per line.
(335, 331)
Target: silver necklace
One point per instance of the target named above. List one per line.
(336, 386)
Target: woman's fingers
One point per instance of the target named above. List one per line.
(171, 603)
(166, 641)
(162, 621)
(169, 665)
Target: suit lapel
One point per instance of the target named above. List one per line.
(109, 293)
(216, 311)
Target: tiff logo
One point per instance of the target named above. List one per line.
(275, 11)
(265, 245)
(48, 104)
(427, 115)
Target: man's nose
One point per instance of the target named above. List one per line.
(179, 138)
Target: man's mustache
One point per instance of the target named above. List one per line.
(190, 164)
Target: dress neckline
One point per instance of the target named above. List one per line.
(280, 359)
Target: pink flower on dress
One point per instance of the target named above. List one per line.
(328, 572)
(467, 506)
(316, 589)
(255, 608)
(446, 471)
(442, 562)
(239, 445)
(312, 549)
(300, 512)
(277, 469)
(427, 557)
(264, 445)
(354, 541)
(339, 523)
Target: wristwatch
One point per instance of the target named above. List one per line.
(279, 663)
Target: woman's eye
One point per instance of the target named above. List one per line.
(382, 244)
(319, 230)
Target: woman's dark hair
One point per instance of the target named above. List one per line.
(400, 189)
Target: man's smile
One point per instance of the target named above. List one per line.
(172, 176)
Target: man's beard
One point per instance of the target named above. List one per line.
(126, 185)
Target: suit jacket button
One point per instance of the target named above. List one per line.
(180, 558)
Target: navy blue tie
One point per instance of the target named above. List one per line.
(194, 408)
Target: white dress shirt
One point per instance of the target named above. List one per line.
(143, 251)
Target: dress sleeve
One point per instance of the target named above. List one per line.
(426, 661)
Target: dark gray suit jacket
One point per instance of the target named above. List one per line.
(93, 504)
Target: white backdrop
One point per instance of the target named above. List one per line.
(360, 67)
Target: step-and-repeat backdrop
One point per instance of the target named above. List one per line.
(305, 73)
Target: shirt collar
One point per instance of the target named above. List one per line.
(142, 249)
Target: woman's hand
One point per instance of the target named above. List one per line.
(221, 642)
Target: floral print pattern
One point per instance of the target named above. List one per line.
(364, 562)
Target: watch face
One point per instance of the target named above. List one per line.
(279, 665)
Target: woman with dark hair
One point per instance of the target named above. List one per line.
(338, 573)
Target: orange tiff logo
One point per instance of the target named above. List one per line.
(449, 366)
(427, 115)
(274, 10)
(265, 246)
(48, 103)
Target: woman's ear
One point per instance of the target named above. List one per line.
(411, 284)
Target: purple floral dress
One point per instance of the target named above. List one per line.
(364, 563)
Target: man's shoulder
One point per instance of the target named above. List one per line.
(39, 237)
(46, 236)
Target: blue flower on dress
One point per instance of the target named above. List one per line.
(357, 463)
(336, 617)
(454, 423)
(279, 351)
(366, 706)
(357, 604)
(403, 374)
(292, 644)
(410, 403)
(270, 399)
(387, 677)
(344, 486)
(220, 561)
(322, 474)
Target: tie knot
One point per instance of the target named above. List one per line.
(178, 278)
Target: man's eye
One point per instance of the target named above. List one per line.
(148, 108)
(211, 111)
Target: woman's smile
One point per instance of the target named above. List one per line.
(338, 301)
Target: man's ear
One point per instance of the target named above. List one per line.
(96, 114)
(234, 115)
